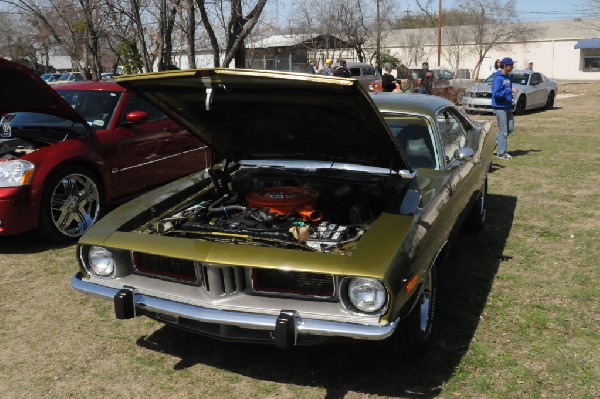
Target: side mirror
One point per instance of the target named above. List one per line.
(136, 117)
(464, 153)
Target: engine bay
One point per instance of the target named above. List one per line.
(322, 214)
(14, 148)
(25, 141)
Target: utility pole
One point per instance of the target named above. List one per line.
(378, 49)
(440, 34)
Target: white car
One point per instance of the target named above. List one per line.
(535, 91)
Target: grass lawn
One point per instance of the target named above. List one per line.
(518, 313)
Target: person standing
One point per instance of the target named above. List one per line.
(388, 81)
(497, 65)
(342, 70)
(310, 67)
(502, 96)
(529, 66)
(378, 67)
(327, 71)
(426, 80)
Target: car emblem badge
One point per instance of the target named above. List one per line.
(6, 130)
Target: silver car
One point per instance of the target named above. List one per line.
(535, 91)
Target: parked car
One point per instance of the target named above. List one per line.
(442, 83)
(535, 91)
(366, 74)
(69, 152)
(328, 217)
(108, 76)
(50, 77)
(68, 77)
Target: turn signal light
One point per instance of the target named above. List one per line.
(411, 285)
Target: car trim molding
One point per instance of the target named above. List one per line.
(241, 319)
(117, 170)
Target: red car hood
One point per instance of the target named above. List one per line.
(23, 91)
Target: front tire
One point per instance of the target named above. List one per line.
(414, 333)
(71, 203)
(550, 101)
(521, 105)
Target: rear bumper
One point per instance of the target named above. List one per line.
(284, 330)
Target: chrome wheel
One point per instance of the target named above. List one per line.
(426, 303)
(414, 332)
(74, 204)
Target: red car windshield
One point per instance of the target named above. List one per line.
(96, 107)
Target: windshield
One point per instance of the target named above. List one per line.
(515, 78)
(414, 137)
(96, 107)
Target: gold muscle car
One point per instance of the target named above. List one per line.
(325, 214)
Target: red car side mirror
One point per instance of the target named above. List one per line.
(136, 117)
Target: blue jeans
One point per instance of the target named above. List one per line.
(504, 118)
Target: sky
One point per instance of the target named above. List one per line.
(528, 10)
(541, 10)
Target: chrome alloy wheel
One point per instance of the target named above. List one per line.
(425, 304)
(74, 204)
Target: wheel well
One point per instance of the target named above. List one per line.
(93, 171)
(442, 255)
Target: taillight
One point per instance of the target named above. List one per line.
(375, 87)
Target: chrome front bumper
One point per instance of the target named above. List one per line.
(283, 329)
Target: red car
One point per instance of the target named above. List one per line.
(69, 152)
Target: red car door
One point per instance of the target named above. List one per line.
(153, 152)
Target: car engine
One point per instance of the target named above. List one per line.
(322, 216)
(14, 148)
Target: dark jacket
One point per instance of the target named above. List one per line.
(388, 82)
(342, 71)
(427, 80)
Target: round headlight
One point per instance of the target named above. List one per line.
(367, 294)
(101, 261)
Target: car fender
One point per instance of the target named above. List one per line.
(51, 158)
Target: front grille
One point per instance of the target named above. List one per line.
(293, 283)
(483, 95)
(164, 267)
(223, 280)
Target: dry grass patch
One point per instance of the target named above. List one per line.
(518, 315)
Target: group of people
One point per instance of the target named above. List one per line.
(391, 84)
(502, 92)
(497, 66)
(342, 70)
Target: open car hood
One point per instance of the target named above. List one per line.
(21, 90)
(249, 114)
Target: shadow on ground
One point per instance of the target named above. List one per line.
(369, 368)
(27, 243)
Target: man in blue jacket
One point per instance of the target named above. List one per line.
(502, 96)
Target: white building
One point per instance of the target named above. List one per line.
(564, 50)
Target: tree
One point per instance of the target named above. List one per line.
(495, 23)
(592, 8)
(352, 21)
(166, 24)
(236, 28)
